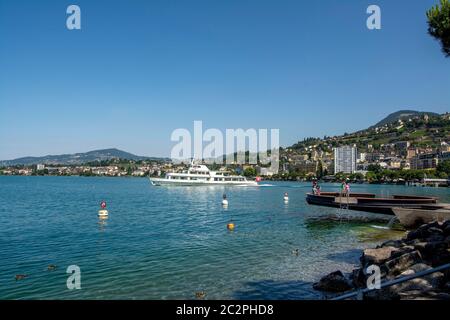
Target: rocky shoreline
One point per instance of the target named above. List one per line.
(421, 249)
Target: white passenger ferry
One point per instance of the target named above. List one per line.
(201, 175)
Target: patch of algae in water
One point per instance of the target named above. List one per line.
(378, 233)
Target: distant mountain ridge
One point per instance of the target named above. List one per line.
(77, 158)
(401, 115)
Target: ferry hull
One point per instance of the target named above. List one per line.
(173, 182)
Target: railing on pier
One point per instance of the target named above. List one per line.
(360, 293)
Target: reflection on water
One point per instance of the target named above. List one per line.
(102, 222)
(171, 242)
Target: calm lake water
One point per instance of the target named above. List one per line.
(170, 242)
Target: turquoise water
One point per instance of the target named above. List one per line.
(171, 242)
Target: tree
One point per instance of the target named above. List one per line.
(443, 167)
(250, 172)
(319, 172)
(376, 168)
(439, 24)
(371, 176)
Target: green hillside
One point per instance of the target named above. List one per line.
(419, 130)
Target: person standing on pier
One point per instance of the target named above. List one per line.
(345, 188)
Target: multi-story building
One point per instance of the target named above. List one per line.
(305, 166)
(443, 156)
(425, 161)
(345, 159)
(411, 153)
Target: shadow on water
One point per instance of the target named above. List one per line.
(317, 225)
(277, 290)
(346, 256)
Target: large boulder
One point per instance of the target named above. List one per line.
(419, 288)
(421, 249)
(424, 231)
(334, 282)
(429, 250)
(401, 251)
(358, 278)
(446, 230)
(396, 266)
(440, 257)
(435, 279)
(377, 256)
(392, 243)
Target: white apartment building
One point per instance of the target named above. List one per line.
(345, 159)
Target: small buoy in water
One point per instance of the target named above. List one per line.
(20, 276)
(200, 295)
(103, 212)
(224, 200)
(230, 226)
(286, 197)
(51, 267)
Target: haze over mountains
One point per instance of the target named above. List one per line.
(78, 158)
(113, 153)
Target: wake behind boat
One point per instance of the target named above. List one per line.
(201, 175)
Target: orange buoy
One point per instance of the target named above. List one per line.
(230, 226)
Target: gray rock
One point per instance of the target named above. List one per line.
(446, 286)
(434, 279)
(334, 282)
(437, 230)
(401, 251)
(377, 256)
(392, 243)
(358, 278)
(446, 230)
(440, 257)
(424, 231)
(402, 263)
(429, 250)
(435, 237)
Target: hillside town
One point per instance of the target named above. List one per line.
(406, 150)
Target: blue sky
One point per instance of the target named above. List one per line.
(137, 70)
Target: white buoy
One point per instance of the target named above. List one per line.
(224, 200)
(103, 213)
(286, 197)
